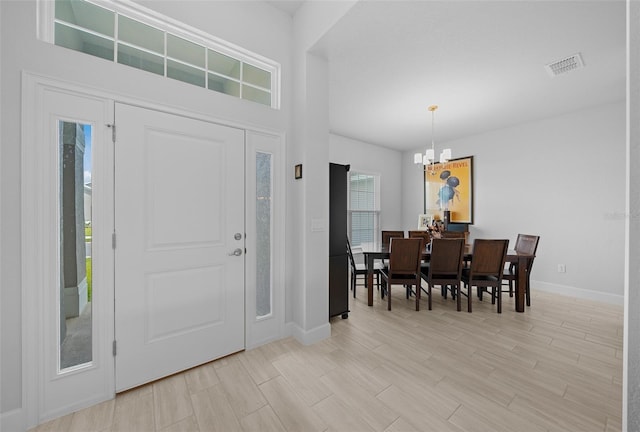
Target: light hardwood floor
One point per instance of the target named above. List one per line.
(556, 367)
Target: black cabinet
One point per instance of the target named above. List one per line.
(338, 258)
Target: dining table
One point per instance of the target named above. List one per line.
(377, 252)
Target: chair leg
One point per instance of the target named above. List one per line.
(429, 294)
(510, 288)
(499, 294)
(417, 295)
(389, 297)
(528, 292)
(469, 295)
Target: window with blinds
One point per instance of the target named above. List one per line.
(363, 208)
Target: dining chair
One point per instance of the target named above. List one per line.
(452, 234)
(388, 235)
(360, 269)
(386, 239)
(424, 234)
(487, 266)
(405, 255)
(445, 267)
(527, 244)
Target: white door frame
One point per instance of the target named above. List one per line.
(36, 237)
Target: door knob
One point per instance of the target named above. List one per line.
(236, 252)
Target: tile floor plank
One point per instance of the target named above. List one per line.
(556, 367)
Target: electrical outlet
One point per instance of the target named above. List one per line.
(562, 268)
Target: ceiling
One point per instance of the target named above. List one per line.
(482, 62)
(288, 6)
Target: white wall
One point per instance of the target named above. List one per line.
(563, 179)
(372, 159)
(631, 361)
(308, 198)
(255, 26)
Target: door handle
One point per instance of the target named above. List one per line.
(236, 252)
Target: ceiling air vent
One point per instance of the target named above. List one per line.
(565, 65)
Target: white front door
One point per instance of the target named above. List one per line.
(179, 255)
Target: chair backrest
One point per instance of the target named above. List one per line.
(489, 257)
(405, 255)
(453, 234)
(352, 261)
(528, 244)
(446, 257)
(388, 235)
(421, 234)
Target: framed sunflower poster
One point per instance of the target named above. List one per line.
(449, 186)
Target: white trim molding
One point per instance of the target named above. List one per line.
(309, 337)
(580, 293)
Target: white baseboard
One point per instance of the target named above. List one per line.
(12, 421)
(308, 337)
(578, 292)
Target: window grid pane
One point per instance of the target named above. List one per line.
(185, 73)
(224, 65)
(87, 43)
(141, 35)
(224, 85)
(256, 76)
(140, 59)
(256, 95)
(183, 50)
(86, 15)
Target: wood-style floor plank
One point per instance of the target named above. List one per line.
(556, 367)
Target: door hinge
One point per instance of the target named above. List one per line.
(113, 241)
(114, 348)
(113, 131)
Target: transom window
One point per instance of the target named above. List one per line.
(130, 36)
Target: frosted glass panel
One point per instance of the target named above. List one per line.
(224, 65)
(185, 73)
(86, 15)
(140, 59)
(142, 35)
(256, 76)
(224, 85)
(188, 52)
(256, 95)
(75, 237)
(84, 42)
(264, 186)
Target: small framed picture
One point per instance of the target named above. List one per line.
(298, 171)
(424, 221)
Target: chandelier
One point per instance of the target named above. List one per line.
(428, 159)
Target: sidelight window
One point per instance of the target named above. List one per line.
(75, 239)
